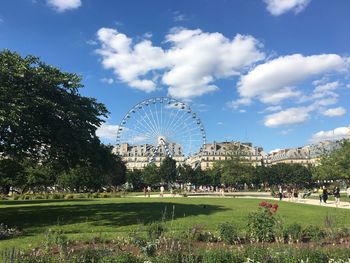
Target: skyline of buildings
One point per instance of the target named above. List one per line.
(139, 156)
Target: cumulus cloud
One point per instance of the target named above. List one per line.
(279, 7)
(288, 117)
(334, 112)
(130, 62)
(336, 134)
(276, 79)
(107, 131)
(63, 5)
(190, 66)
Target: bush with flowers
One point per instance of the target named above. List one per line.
(263, 224)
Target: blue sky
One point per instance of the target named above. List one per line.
(273, 72)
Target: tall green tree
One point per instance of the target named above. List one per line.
(151, 174)
(235, 171)
(334, 165)
(11, 174)
(167, 170)
(42, 114)
(135, 178)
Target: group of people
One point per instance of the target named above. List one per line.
(293, 194)
(324, 193)
(147, 191)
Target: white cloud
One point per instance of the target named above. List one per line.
(63, 5)
(280, 95)
(276, 78)
(334, 112)
(279, 7)
(235, 104)
(178, 17)
(190, 66)
(336, 134)
(326, 102)
(91, 42)
(288, 117)
(107, 131)
(107, 80)
(130, 62)
(273, 108)
(219, 123)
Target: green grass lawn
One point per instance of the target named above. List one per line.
(113, 217)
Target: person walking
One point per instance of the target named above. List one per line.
(336, 193)
(325, 194)
(162, 191)
(149, 191)
(280, 192)
(320, 194)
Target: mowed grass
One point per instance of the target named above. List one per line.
(113, 217)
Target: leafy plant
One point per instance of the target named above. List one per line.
(293, 233)
(313, 233)
(8, 232)
(155, 230)
(262, 224)
(228, 233)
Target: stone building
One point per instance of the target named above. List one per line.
(139, 156)
(220, 151)
(306, 155)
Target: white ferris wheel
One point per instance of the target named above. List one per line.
(166, 125)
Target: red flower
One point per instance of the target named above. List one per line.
(263, 204)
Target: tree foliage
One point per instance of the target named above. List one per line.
(335, 165)
(42, 114)
(48, 130)
(167, 170)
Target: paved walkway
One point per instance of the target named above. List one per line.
(258, 195)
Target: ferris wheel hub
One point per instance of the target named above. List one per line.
(161, 140)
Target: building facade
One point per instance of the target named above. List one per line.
(139, 156)
(221, 151)
(306, 155)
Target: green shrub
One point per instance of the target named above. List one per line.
(155, 230)
(228, 233)
(38, 197)
(16, 197)
(57, 196)
(122, 258)
(90, 255)
(262, 225)
(313, 233)
(69, 197)
(8, 232)
(25, 197)
(293, 233)
(96, 195)
(207, 236)
(218, 256)
(57, 238)
(105, 195)
(177, 257)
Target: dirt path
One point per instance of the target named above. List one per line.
(258, 195)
